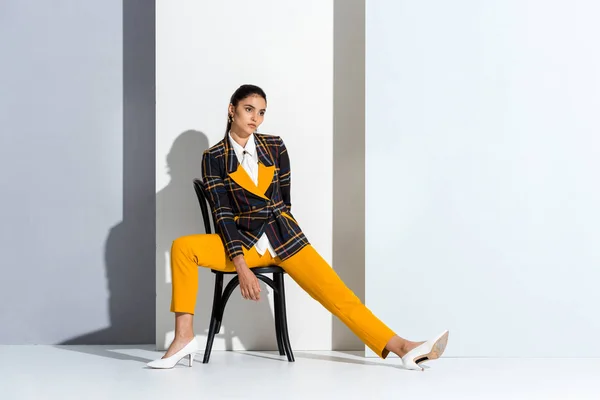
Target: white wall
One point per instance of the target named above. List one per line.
(203, 54)
(482, 145)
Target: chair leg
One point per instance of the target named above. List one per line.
(214, 317)
(277, 304)
(284, 330)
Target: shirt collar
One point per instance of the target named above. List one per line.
(239, 150)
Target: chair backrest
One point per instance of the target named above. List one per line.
(204, 205)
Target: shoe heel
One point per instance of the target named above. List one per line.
(191, 357)
(410, 364)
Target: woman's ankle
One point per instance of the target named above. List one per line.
(397, 345)
(187, 336)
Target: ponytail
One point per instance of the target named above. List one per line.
(228, 126)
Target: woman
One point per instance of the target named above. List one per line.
(247, 177)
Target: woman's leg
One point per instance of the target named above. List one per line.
(187, 254)
(322, 283)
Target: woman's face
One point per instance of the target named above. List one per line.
(248, 115)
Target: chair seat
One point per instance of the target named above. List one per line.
(257, 270)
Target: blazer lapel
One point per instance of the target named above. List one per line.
(265, 177)
(264, 154)
(266, 165)
(231, 162)
(239, 175)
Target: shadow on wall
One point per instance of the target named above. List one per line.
(129, 247)
(178, 214)
(127, 272)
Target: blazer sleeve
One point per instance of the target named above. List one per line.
(285, 175)
(219, 199)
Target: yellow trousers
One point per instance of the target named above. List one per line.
(307, 268)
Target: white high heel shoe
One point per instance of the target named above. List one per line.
(430, 350)
(188, 350)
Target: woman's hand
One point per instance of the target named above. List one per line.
(248, 281)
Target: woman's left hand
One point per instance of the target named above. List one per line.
(248, 283)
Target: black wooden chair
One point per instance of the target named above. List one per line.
(221, 296)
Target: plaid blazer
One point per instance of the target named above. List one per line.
(244, 211)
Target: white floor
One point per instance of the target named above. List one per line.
(119, 372)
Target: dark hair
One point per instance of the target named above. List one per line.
(240, 94)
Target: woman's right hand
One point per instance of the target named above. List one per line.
(248, 281)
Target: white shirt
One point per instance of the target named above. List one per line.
(250, 165)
